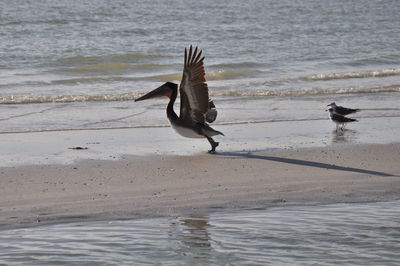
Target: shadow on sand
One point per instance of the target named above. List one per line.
(249, 155)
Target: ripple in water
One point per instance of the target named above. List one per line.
(356, 234)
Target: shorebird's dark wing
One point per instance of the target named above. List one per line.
(342, 119)
(193, 89)
(345, 111)
(211, 113)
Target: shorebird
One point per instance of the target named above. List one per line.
(196, 108)
(342, 110)
(339, 120)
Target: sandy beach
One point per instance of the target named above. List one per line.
(173, 185)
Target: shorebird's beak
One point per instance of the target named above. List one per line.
(328, 107)
(161, 91)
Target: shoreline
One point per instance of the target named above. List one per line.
(182, 185)
(57, 147)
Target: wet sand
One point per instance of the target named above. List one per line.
(194, 184)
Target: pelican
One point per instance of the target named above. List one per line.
(342, 110)
(196, 108)
(339, 120)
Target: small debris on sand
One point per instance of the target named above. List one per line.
(78, 148)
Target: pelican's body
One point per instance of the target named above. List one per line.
(194, 132)
(196, 107)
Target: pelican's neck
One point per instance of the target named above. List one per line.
(172, 116)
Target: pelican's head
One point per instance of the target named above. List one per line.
(164, 90)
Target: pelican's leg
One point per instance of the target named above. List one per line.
(213, 144)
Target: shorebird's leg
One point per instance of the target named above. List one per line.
(337, 128)
(213, 144)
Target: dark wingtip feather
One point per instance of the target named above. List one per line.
(190, 54)
(194, 56)
(185, 57)
(197, 57)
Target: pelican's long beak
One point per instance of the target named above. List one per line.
(161, 91)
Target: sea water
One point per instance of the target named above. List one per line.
(80, 64)
(337, 234)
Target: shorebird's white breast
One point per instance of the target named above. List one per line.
(186, 132)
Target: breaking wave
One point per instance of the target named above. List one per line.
(117, 68)
(362, 74)
(238, 65)
(120, 58)
(92, 80)
(228, 74)
(109, 68)
(304, 92)
(29, 99)
(210, 75)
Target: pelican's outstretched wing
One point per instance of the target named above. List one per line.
(195, 101)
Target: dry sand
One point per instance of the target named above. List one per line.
(137, 187)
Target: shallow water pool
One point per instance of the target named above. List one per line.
(338, 234)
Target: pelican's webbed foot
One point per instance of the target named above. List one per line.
(213, 143)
